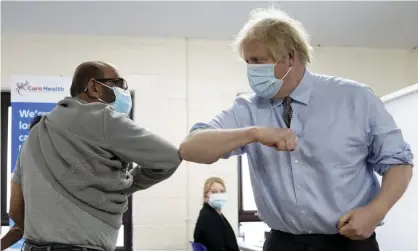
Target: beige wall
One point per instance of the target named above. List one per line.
(177, 83)
(412, 62)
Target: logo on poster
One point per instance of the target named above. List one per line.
(22, 87)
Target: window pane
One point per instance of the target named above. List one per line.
(121, 235)
(4, 230)
(254, 232)
(248, 202)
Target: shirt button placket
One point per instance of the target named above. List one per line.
(297, 178)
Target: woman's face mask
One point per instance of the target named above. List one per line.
(217, 200)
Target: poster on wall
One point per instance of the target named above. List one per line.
(31, 96)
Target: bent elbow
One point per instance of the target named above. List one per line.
(176, 161)
(190, 153)
(15, 215)
(184, 152)
(410, 172)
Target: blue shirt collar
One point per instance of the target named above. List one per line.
(302, 93)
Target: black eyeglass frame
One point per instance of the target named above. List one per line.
(118, 82)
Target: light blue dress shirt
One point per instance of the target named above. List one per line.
(344, 135)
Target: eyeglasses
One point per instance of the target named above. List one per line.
(118, 82)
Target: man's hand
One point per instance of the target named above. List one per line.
(11, 237)
(282, 139)
(360, 223)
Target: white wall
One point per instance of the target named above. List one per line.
(404, 214)
(177, 83)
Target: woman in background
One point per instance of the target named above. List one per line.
(16, 232)
(212, 228)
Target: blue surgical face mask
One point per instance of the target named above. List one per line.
(123, 100)
(217, 200)
(263, 81)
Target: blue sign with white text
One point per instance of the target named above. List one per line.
(22, 115)
(31, 96)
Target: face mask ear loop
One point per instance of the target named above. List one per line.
(101, 100)
(285, 75)
(276, 63)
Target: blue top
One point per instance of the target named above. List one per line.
(344, 135)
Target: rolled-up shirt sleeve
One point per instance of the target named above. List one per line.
(386, 144)
(227, 119)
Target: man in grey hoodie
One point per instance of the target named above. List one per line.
(71, 176)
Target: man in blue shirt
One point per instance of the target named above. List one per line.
(313, 143)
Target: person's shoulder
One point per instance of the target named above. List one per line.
(110, 113)
(335, 81)
(202, 215)
(337, 84)
(80, 105)
(80, 115)
(246, 99)
(117, 121)
(249, 102)
(92, 110)
(206, 211)
(207, 216)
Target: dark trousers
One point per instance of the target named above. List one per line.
(37, 246)
(281, 241)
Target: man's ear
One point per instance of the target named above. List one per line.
(292, 54)
(291, 57)
(91, 88)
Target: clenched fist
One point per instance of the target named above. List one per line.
(283, 139)
(360, 223)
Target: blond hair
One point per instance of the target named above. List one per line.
(278, 32)
(209, 182)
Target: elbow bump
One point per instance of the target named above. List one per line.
(185, 152)
(188, 152)
(189, 155)
(176, 160)
(186, 147)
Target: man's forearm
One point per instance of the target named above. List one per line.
(394, 184)
(18, 216)
(208, 145)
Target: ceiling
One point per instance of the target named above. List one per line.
(369, 24)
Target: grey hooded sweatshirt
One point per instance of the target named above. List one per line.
(73, 171)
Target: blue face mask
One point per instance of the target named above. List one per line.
(262, 79)
(217, 200)
(123, 100)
